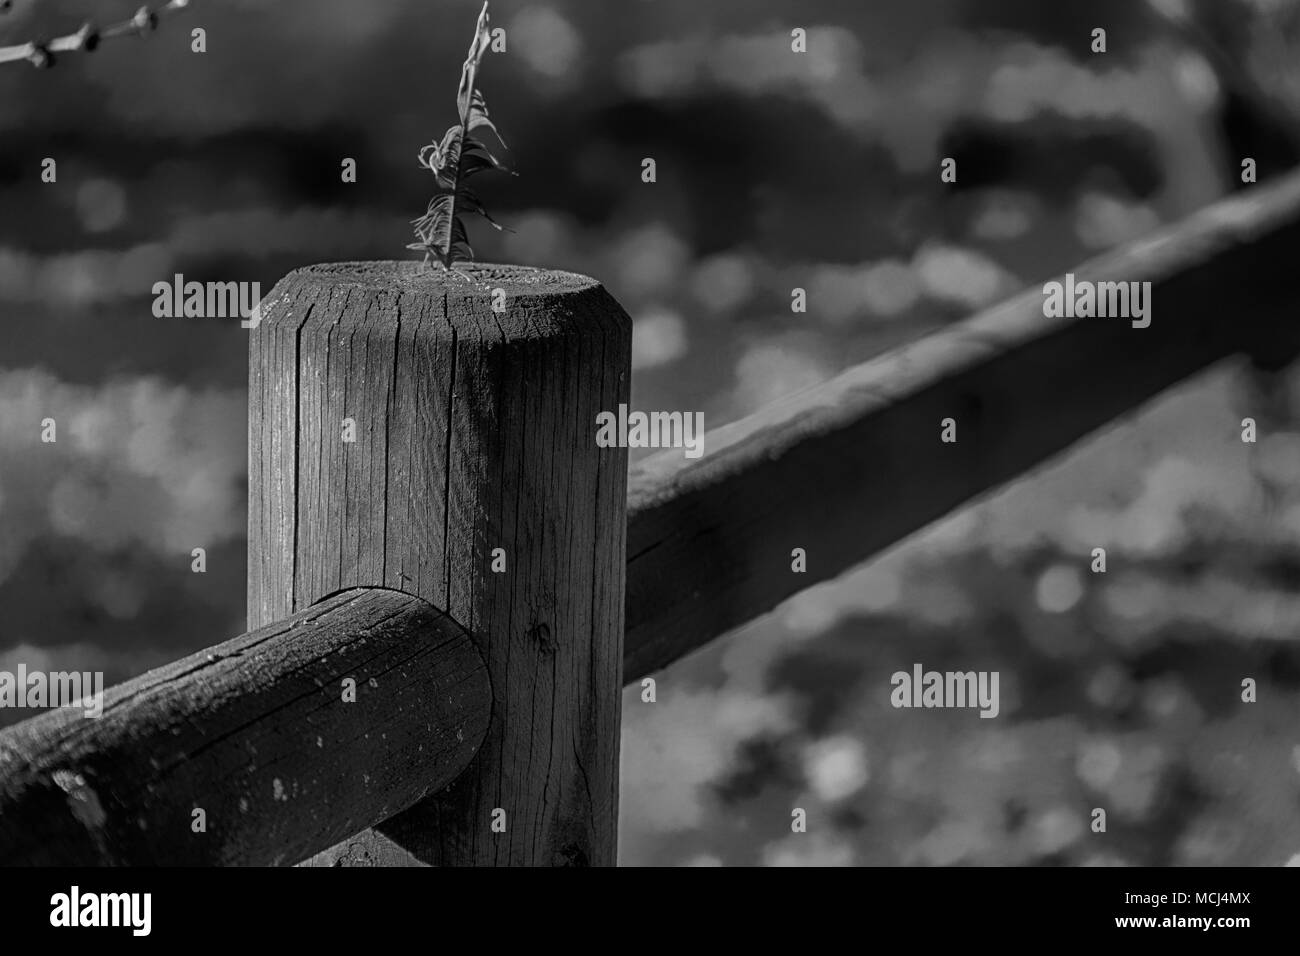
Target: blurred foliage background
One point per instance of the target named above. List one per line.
(775, 170)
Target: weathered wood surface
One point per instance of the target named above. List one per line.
(851, 466)
(490, 447)
(475, 430)
(255, 733)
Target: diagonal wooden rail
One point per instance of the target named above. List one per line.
(841, 470)
(848, 467)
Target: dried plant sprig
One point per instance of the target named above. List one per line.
(41, 53)
(453, 160)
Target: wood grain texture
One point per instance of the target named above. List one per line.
(256, 733)
(851, 466)
(475, 430)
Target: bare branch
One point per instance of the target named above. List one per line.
(40, 53)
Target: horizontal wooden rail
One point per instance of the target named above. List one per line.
(846, 468)
(249, 752)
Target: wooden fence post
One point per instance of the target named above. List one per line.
(435, 434)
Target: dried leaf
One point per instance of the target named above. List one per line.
(443, 158)
(476, 157)
(469, 200)
(453, 160)
(468, 73)
(478, 116)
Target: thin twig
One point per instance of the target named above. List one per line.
(40, 53)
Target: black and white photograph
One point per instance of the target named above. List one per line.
(651, 433)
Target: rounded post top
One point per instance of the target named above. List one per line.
(418, 277)
(477, 301)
